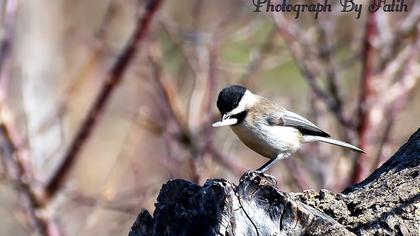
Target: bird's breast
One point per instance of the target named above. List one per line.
(269, 141)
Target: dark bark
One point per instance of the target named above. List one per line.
(386, 203)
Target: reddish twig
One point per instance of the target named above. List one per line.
(175, 127)
(169, 108)
(16, 173)
(115, 76)
(366, 92)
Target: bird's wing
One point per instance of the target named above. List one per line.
(291, 119)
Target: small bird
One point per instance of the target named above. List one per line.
(266, 127)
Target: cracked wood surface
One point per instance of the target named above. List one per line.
(386, 203)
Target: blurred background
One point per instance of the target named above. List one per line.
(103, 101)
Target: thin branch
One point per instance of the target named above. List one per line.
(212, 79)
(182, 134)
(115, 76)
(8, 20)
(11, 156)
(248, 78)
(199, 87)
(111, 205)
(399, 93)
(392, 115)
(366, 92)
(16, 173)
(170, 111)
(297, 45)
(330, 67)
(407, 25)
(98, 50)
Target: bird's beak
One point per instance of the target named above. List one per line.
(226, 120)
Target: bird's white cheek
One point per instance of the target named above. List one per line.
(248, 100)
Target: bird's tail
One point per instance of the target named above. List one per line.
(310, 138)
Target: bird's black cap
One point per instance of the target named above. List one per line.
(230, 97)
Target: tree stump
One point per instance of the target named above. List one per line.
(386, 203)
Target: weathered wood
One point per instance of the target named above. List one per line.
(386, 203)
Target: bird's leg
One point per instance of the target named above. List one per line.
(270, 163)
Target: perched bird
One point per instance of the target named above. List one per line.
(266, 127)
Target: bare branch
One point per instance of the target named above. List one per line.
(248, 78)
(8, 19)
(98, 50)
(297, 46)
(366, 92)
(115, 76)
(16, 174)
